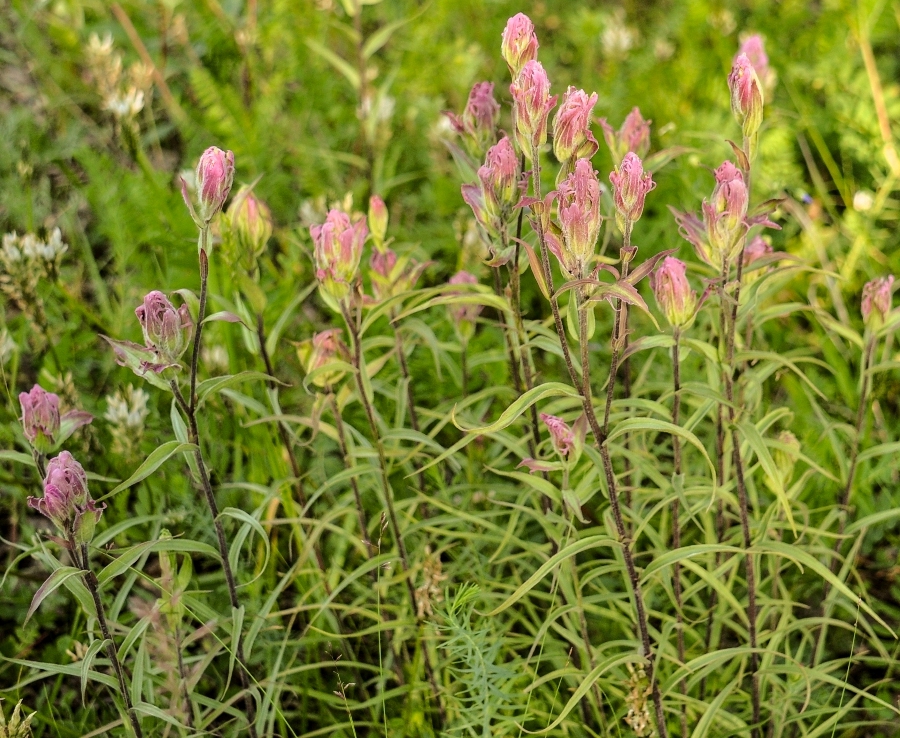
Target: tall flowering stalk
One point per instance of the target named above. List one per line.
(532, 104)
(215, 175)
(67, 503)
(338, 247)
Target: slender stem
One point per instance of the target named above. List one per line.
(676, 524)
(508, 336)
(182, 674)
(83, 562)
(410, 393)
(353, 330)
(190, 410)
(464, 366)
(348, 463)
(739, 478)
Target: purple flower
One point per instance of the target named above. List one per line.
(630, 187)
(572, 136)
(338, 250)
(756, 249)
(633, 136)
(568, 441)
(876, 301)
(40, 417)
(167, 331)
(44, 428)
(478, 123)
(673, 293)
(578, 198)
(746, 95)
(66, 501)
(532, 104)
(520, 44)
(215, 174)
(755, 51)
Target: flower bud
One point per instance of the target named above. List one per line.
(520, 44)
(746, 96)
(755, 249)
(500, 177)
(338, 250)
(464, 315)
(166, 330)
(215, 174)
(378, 221)
(391, 275)
(572, 136)
(634, 136)
(876, 301)
(568, 441)
(532, 104)
(755, 51)
(727, 213)
(578, 206)
(319, 352)
(248, 228)
(40, 418)
(66, 501)
(630, 187)
(676, 299)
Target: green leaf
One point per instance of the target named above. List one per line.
(572, 549)
(237, 625)
(50, 585)
(752, 436)
(529, 398)
(334, 60)
(155, 460)
(179, 545)
(216, 384)
(705, 722)
(86, 663)
(248, 520)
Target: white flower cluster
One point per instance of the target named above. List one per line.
(122, 95)
(24, 261)
(126, 412)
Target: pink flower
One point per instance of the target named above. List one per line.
(249, 228)
(318, 352)
(378, 220)
(630, 187)
(561, 435)
(520, 44)
(756, 249)
(532, 104)
(40, 418)
(493, 200)
(746, 95)
(578, 200)
(338, 250)
(391, 275)
(166, 330)
(215, 174)
(755, 51)
(478, 123)
(66, 500)
(572, 136)
(727, 213)
(634, 136)
(877, 301)
(673, 293)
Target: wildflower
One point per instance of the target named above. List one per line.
(568, 441)
(44, 427)
(66, 501)
(756, 249)
(391, 275)
(166, 330)
(572, 136)
(876, 302)
(520, 44)
(126, 412)
(639, 689)
(478, 123)
(378, 221)
(318, 352)
(532, 104)
(755, 51)
(633, 136)
(16, 727)
(213, 177)
(630, 187)
(430, 591)
(746, 96)
(578, 199)
(248, 227)
(673, 293)
(338, 250)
